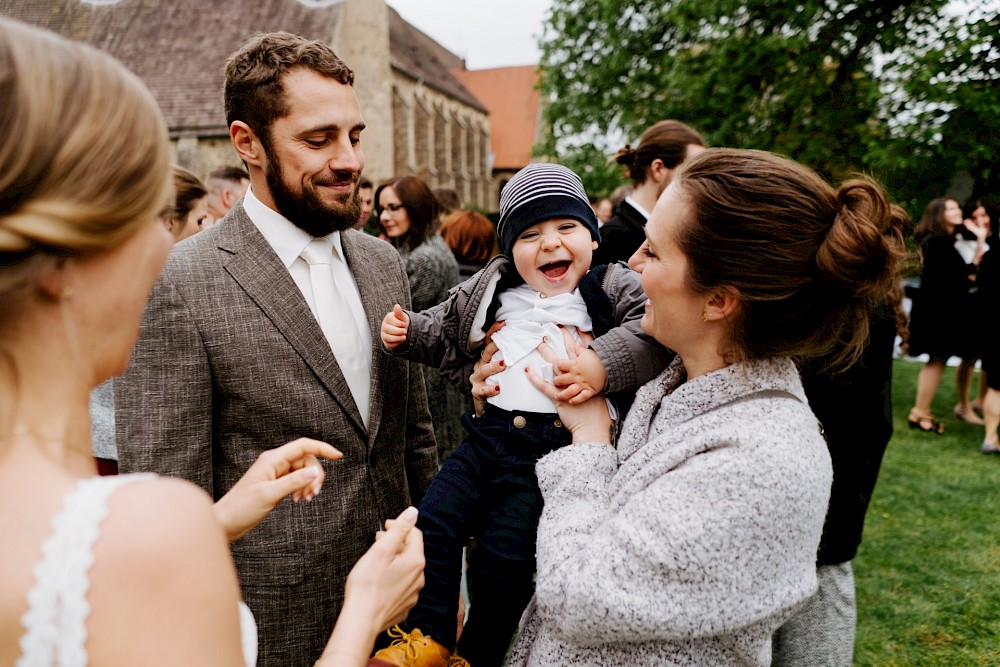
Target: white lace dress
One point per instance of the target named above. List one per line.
(56, 621)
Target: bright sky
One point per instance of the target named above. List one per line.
(487, 33)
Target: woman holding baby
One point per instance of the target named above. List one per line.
(692, 539)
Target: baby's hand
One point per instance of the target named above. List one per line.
(394, 327)
(582, 377)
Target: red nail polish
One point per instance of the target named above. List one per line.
(498, 389)
(501, 363)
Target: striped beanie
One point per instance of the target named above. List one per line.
(539, 192)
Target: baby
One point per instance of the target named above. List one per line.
(487, 488)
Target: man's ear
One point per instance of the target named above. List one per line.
(247, 144)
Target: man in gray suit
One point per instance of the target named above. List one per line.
(239, 351)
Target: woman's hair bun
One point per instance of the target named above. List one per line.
(864, 242)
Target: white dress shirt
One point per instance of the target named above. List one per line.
(288, 242)
(634, 204)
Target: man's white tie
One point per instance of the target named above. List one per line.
(336, 320)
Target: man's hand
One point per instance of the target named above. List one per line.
(394, 328)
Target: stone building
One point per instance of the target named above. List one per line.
(420, 118)
(511, 96)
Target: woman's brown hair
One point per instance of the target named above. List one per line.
(471, 237)
(187, 191)
(420, 204)
(809, 262)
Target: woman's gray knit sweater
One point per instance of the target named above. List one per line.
(692, 542)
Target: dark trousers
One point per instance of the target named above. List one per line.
(486, 490)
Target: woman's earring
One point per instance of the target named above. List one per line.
(704, 315)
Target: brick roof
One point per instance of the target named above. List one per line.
(513, 101)
(179, 47)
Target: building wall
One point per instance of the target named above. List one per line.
(201, 155)
(444, 142)
(362, 41)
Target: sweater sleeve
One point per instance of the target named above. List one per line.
(707, 546)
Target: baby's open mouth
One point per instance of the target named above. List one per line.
(555, 269)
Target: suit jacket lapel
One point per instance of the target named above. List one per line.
(254, 265)
(375, 302)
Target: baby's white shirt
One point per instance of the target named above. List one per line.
(531, 317)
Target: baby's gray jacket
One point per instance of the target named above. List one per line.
(451, 335)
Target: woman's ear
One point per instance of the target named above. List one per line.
(172, 226)
(723, 303)
(54, 281)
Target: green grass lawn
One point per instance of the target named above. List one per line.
(928, 571)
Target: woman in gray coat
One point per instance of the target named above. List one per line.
(695, 537)
(408, 211)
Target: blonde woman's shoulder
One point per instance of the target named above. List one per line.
(163, 585)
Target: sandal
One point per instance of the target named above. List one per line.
(968, 415)
(927, 424)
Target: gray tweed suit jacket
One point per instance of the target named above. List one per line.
(231, 362)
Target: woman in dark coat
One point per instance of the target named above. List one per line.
(942, 322)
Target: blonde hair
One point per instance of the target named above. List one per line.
(84, 158)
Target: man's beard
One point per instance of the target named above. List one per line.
(306, 210)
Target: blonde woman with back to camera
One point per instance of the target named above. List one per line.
(694, 537)
(132, 569)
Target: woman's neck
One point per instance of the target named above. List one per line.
(46, 401)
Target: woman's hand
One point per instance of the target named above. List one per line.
(290, 469)
(381, 589)
(589, 421)
(483, 369)
(980, 230)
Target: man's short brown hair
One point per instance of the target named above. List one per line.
(254, 92)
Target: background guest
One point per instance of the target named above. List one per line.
(189, 213)
(225, 186)
(366, 197)
(942, 319)
(472, 239)
(408, 213)
(651, 166)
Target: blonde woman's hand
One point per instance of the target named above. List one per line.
(387, 579)
(292, 469)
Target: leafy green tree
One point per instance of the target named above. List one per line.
(841, 86)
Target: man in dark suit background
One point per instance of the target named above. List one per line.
(246, 345)
(662, 149)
